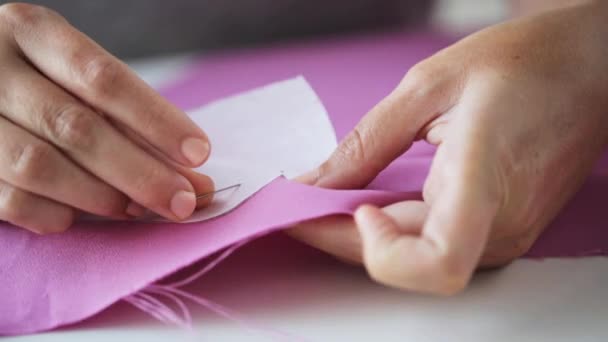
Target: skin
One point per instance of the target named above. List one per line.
(519, 114)
(66, 108)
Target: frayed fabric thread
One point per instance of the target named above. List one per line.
(149, 301)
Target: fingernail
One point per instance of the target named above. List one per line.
(183, 204)
(135, 210)
(195, 150)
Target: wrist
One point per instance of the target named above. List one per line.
(593, 45)
(530, 7)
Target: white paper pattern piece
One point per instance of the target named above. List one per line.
(281, 129)
(256, 136)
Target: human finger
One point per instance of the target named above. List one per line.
(35, 166)
(386, 132)
(82, 67)
(38, 105)
(32, 212)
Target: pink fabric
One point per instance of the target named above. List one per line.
(350, 76)
(48, 281)
(58, 279)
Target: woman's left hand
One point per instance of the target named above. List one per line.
(519, 113)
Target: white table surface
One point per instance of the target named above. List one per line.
(311, 296)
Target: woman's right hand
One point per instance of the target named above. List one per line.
(79, 131)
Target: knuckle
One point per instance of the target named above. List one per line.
(441, 275)
(15, 207)
(381, 268)
(418, 75)
(31, 162)
(352, 160)
(22, 14)
(419, 81)
(59, 226)
(11, 204)
(98, 74)
(112, 202)
(451, 275)
(72, 128)
(352, 148)
(148, 185)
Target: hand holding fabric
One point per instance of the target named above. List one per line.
(519, 114)
(79, 131)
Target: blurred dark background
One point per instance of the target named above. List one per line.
(134, 28)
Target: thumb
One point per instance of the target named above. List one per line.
(385, 133)
(433, 249)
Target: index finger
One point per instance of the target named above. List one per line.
(386, 131)
(78, 64)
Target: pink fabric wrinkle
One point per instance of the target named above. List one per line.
(145, 301)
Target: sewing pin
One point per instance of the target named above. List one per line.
(235, 186)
